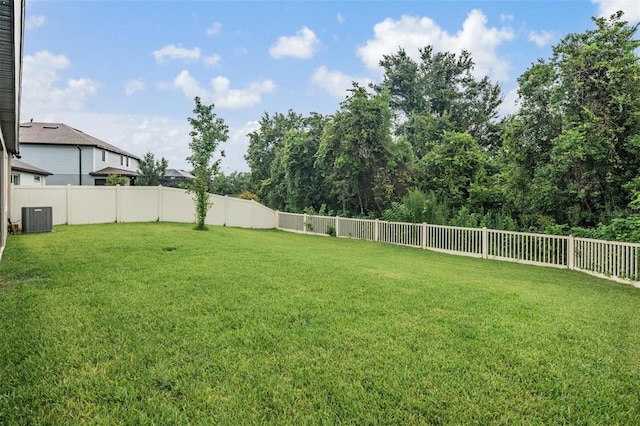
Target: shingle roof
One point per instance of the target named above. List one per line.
(178, 173)
(26, 167)
(113, 171)
(61, 134)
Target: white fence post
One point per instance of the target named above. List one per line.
(304, 223)
(571, 252)
(337, 226)
(277, 219)
(226, 210)
(376, 230)
(485, 243)
(160, 212)
(68, 204)
(424, 235)
(118, 204)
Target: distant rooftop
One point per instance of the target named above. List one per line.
(61, 134)
(26, 167)
(178, 173)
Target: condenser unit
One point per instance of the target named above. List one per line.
(37, 219)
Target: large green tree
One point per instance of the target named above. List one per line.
(208, 131)
(440, 93)
(265, 146)
(356, 152)
(574, 146)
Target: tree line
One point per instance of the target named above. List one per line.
(428, 143)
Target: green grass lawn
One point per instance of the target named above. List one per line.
(159, 324)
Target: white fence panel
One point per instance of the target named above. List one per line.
(177, 206)
(216, 215)
(455, 240)
(618, 261)
(536, 249)
(290, 221)
(239, 212)
(263, 216)
(406, 234)
(362, 229)
(89, 204)
(138, 204)
(320, 224)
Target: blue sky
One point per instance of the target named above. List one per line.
(127, 71)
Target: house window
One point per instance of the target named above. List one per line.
(36, 178)
(104, 155)
(122, 160)
(127, 161)
(15, 178)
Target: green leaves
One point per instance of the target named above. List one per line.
(151, 170)
(208, 132)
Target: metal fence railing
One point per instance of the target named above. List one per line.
(612, 260)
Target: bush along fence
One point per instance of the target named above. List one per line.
(607, 259)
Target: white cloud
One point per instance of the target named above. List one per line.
(541, 38)
(300, 45)
(35, 22)
(212, 61)
(340, 18)
(335, 83)
(225, 97)
(509, 104)
(412, 32)
(189, 85)
(221, 93)
(173, 52)
(214, 29)
(631, 9)
(133, 86)
(41, 91)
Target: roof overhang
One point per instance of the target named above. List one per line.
(114, 171)
(11, 42)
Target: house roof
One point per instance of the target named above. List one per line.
(61, 134)
(114, 171)
(26, 167)
(178, 173)
(11, 31)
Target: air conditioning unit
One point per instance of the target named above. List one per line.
(37, 219)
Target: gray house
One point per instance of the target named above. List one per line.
(73, 157)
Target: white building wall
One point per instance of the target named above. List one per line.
(30, 179)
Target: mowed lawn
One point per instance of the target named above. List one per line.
(160, 324)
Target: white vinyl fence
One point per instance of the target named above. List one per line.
(606, 259)
(74, 205)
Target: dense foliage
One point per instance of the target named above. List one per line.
(427, 143)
